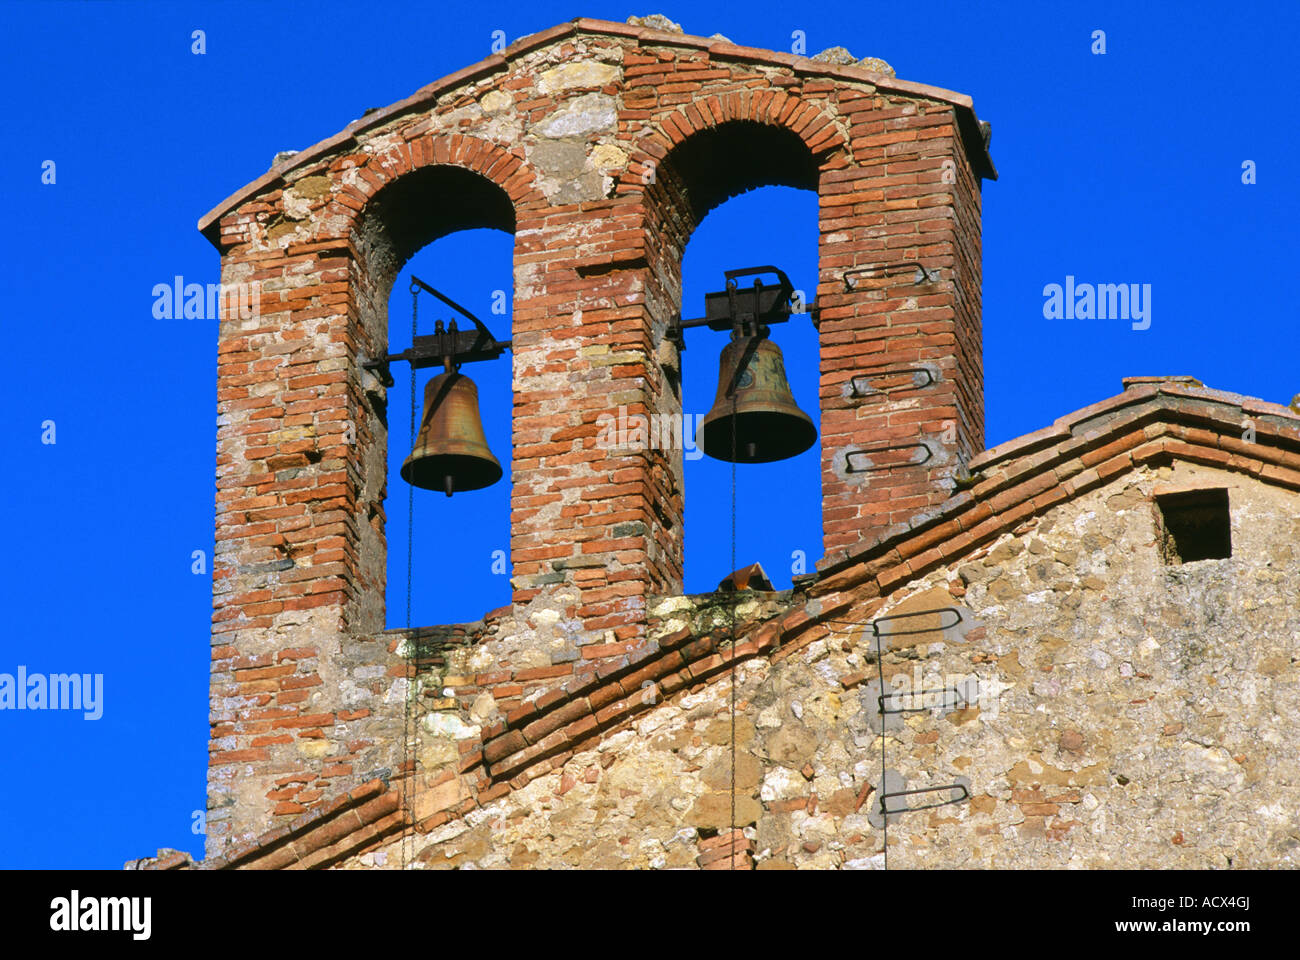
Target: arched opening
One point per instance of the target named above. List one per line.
(454, 230)
(751, 192)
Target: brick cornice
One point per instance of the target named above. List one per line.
(341, 828)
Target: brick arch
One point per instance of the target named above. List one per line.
(494, 162)
(762, 138)
(465, 182)
(818, 131)
(400, 200)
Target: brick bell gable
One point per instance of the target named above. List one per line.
(584, 141)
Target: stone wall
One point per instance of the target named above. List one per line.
(1132, 714)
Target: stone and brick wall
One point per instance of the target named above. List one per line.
(1143, 716)
(600, 146)
(1124, 695)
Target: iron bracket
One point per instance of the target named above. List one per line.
(849, 466)
(447, 345)
(860, 393)
(922, 276)
(875, 624)
(744, 311)
(965, 795)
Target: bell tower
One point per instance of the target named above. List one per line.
(599, 146)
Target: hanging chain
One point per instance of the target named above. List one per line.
(410, 488)
(735, 599)
(880, 672)
(409, 726)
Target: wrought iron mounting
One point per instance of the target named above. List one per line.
(877, 632)
(748, 311)
(447, 345)
(851, 467)
(859, 393)
(884, 808)
(922, 275)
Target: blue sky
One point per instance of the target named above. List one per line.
(1123, 167)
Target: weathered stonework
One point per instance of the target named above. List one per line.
(1144, 717)
(1128, 711)
(1131, 710)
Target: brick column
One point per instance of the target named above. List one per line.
(901, 373)
(588, 328)
(299, 538)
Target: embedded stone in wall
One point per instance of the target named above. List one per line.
(495, 101)
(583, 73)
(588, 114)
(564, 159)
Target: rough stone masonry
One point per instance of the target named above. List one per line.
(1134, 709)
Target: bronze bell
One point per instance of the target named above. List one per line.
(451, 454)
(769, 424)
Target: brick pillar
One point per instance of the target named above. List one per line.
(901, 371)
(588, 328)
(299, 538)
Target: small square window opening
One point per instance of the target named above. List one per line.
(1194, 525)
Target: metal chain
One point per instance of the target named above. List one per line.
(735, 599)
(409, 727)
(410, 488)
(880, 672)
